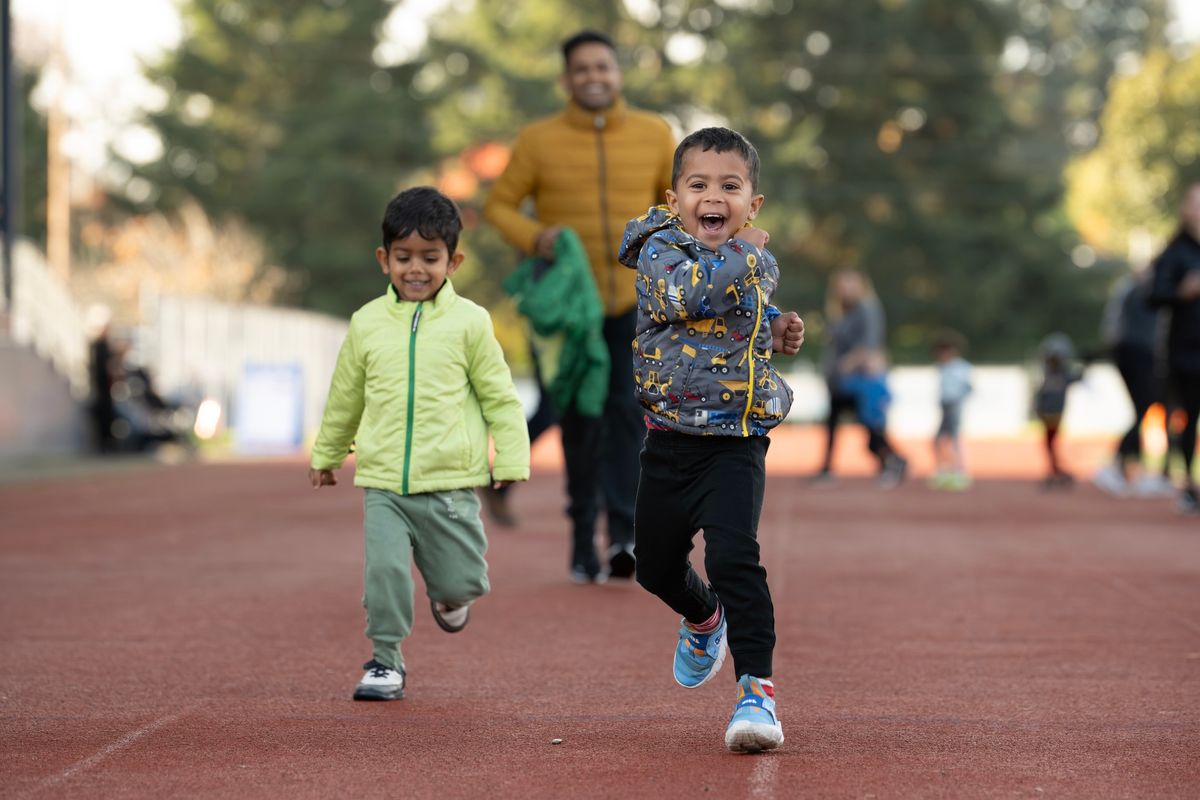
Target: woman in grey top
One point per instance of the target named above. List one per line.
(856, 346)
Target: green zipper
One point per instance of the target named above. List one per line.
(412, 391)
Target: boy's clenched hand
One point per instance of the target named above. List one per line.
(321, 477)
(787, 333)
(755, 236)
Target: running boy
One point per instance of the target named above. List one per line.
(419, 384)
(705, 332)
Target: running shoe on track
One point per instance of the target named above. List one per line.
(699, 656)
(754, 726)
(451, 620)
(380, 683)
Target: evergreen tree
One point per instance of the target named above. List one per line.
(279, 115)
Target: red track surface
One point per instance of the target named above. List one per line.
(194, 631)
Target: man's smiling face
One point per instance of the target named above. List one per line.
(592, 76)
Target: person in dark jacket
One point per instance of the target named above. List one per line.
(1130, 330)
(1177, 287)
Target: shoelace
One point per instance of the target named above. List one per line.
(377, 670)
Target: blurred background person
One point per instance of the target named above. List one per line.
(1059, 371)
(1129, 329)
(954, 385)
(1176, 285)
(856, 348)
(102, 374)
(592, 167)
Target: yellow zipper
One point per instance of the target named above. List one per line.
(750, 365)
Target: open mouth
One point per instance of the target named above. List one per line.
(711, 223)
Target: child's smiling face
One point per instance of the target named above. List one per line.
(713, 197)
(417, 266)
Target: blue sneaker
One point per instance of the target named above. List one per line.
(753, 726)
(699, 656)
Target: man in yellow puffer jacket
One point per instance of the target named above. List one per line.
(591, 168)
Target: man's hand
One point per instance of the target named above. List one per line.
(501, 484)
(755, 236)
(787, 333)
(544, 246)
(321, 477)
(1189, 287)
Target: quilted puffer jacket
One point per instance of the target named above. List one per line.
(702, 353)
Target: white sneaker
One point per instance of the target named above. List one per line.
(1109, 480)
(451, 620)
(380, 683)
(1150, 485)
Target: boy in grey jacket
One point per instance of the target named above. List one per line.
(702, 367)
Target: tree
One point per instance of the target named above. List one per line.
(279, 115)
(1125, 192)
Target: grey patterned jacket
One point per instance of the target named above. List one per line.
(702, 354)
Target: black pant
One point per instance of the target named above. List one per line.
(601, 453)
(1186, 386)
(877, 443)
(714, 484)
(1136, 365)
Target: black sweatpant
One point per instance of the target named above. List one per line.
(1186, 386)
(1137, 368)
(714, 484)
(601, 453)
(877, 441)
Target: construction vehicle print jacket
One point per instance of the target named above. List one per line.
(702, 352)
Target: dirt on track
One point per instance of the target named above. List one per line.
(194, 631)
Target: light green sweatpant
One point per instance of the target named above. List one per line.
(443, 534)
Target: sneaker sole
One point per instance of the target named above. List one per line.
(378, 693)
(712, 673)
(752, 737)
(622, 565)
(441, 621)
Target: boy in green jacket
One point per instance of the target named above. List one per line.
(419, 384)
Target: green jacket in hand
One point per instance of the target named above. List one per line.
(560, 299)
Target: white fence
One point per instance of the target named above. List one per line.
(202, 347)
(46, 318)
(193, 345)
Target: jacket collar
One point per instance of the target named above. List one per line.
(440, 302)
(611, 117)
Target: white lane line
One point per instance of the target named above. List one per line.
(116, 747)
(762, 779)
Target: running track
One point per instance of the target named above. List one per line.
(194, 631)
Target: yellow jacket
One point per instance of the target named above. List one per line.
(592, 172)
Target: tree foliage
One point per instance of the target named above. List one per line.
(1149, 151)
(921, 140)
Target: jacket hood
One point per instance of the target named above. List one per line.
(637, 231)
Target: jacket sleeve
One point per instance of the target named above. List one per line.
(1168, 273)
(666, 165)
(696, 283)
(503, 205)
(492, 384)
(344, 408)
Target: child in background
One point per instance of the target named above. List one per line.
(705, 333)
(954, 384)
(420, 383)
(1050, 400)
(868, 385)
